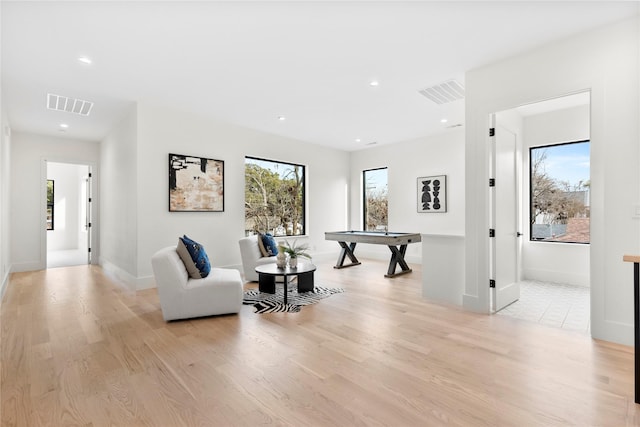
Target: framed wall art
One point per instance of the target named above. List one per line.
(432, 194)
(196, 184)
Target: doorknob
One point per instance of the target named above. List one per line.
(518, 234)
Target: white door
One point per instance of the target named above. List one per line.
(505, 215)
(88, 199)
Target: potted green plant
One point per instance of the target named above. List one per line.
(294, 251)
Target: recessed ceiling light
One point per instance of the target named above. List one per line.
(85, 60)
(374, 83)
(64, 125)
(282, 118)
(444, 121)
(358, 140)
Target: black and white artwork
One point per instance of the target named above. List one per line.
(432, 194)
(196, 184)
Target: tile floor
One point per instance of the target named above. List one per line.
(66, 258)
(552, 304)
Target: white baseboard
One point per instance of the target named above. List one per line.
(146, 282)
(119, 275)
(621, 333)
(472, 303)
(5, 282)
(27, 266)
(556, 277)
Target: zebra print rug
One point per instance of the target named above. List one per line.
(274, 303)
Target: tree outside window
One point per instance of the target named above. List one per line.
(274, 197)
(560, 193)
(50, 204)
(375, 195)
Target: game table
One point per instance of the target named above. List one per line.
(397, 243)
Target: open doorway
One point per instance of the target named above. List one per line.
(68, 214)
(553, 255)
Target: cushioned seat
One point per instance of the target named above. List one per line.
(252, 257)
(182, 297)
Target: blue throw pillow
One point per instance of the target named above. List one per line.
(197, 263)
(270, 244)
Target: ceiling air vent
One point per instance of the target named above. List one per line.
(70, 105)
(445, 92)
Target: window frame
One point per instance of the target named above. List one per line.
(364, 196)
(51, 205)
(303, 215)
(531, 165)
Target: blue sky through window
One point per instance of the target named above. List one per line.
(568, 162)
(376, 179)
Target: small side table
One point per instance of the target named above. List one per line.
(267, 274)
(635, 259)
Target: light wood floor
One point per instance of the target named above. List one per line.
(78, 349)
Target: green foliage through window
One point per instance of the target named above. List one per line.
(50, 203)
(375, 195)
(274, 197)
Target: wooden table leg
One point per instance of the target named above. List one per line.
(267, 283)
(305, 282)
(285, 289)
(397, 257)
(347, 250)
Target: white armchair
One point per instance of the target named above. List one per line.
(182, 297)
(252, 257)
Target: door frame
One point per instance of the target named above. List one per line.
(93, 232)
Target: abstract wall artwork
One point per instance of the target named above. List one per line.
(196, 184)
(432, 194)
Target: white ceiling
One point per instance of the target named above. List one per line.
(250, 62)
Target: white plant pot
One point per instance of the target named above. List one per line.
(281, 260)
(293, 262)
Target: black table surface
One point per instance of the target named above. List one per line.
(272, 269)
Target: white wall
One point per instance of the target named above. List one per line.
(28, 191)
(137, 223)
(443, 268)
(67, 184)
(118, 199)
(5, 188)
(441, 154)
(606, 62)
(554, 262)
(5, 181)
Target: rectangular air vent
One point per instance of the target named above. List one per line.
(445, 92)
(70, 105)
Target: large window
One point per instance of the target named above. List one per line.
(50, 204)
(560, 192)
(375, 199)
(274, 197)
